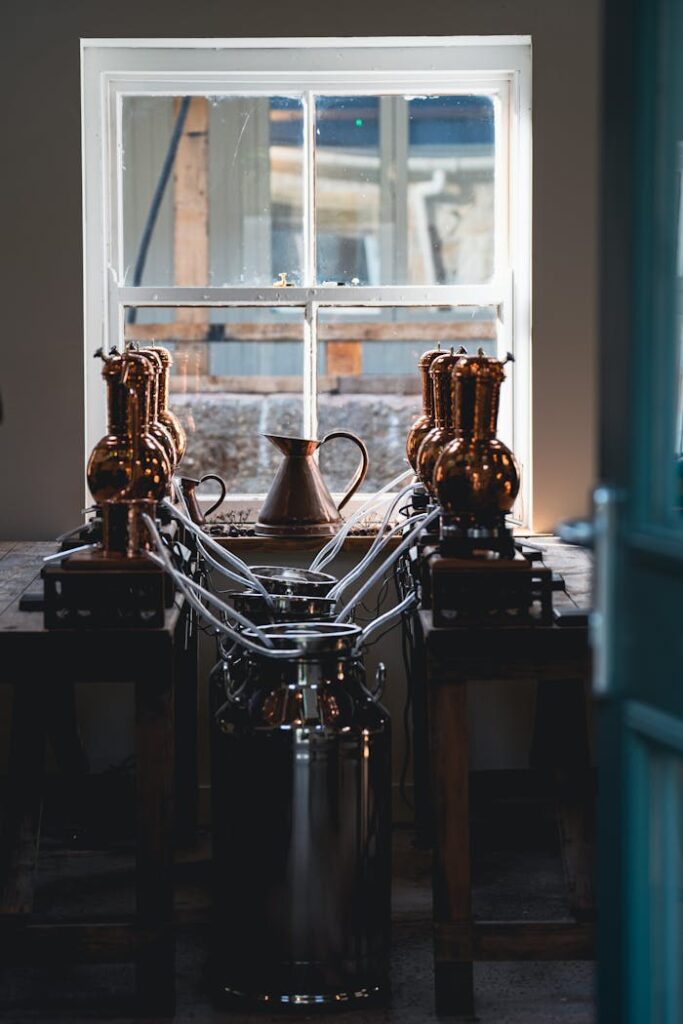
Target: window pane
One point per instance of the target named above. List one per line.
(237, 374)
(405, 189)
(231, 211)
(368, 378)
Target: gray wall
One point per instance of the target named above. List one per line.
(42, 437)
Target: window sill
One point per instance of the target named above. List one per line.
(245, 546)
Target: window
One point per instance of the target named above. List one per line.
(298, 220)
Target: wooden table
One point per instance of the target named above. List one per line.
(38, 663)
(454, 660)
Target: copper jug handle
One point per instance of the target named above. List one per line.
(361, 472)
(224, 490)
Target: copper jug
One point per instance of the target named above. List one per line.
(189, 485)
(298, 503)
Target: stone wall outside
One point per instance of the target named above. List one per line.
(225, 435)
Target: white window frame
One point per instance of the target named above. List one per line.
(500, 66)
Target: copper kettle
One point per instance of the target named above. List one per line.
(298, 503)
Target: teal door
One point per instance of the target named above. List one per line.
(639, 521)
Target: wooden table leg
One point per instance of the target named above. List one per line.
(422, 777)
(187, 769)
(561, 748)
(155, 964)
(23, 805)
(452, 869)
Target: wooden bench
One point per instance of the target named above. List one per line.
(42, 666)
(452, 661)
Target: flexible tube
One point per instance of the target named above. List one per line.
(403, 606)
(386, 564)
(185, 584)
(222, 569)
(208, 541)
(221, 627)
(69, 551)
(242, 579)
(329, 551)
(359, 569)
(391, 508)
(380, 538)
(235, 576)
(336, 541)
(213, 598)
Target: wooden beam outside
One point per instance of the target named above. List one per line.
(345, 357)
(191, 212)
(457, 331)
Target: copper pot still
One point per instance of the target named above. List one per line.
(299, 503)
(129, 470)
(476, 477)
(424, 423)
(442, 432)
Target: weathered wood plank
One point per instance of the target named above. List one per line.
(191, 204)
(191, 216)
(193, 331)
(344, 357)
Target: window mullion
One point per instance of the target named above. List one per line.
(310, 354)
(310, 381)
(310, 259)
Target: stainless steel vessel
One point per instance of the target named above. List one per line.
(283, 607)
(301, 792)
(282, 579)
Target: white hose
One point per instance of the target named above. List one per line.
(380, 538)
(224, 571)
(402, 606)
(208, 541)
(68, 551)
(185, 584)
(329, 551)
(391, 508)
(359, 569)
(207, 594)
(380, 572)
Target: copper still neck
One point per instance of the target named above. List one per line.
(424, 364)
(166, 416)
(116, 395)
(440, 374)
